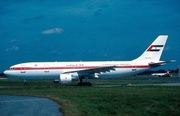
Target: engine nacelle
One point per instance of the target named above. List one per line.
(65, 78)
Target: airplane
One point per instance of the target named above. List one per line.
(67, 72)
(167, 74)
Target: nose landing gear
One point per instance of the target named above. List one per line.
(25, 82)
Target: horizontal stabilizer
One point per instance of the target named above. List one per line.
(160, 63)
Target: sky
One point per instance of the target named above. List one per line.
(86, 30)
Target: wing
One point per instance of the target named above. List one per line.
(93, 70)
(160, 63)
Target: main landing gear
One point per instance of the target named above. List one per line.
(81, 83)
(25, 82)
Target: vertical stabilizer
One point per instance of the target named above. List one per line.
(154, 51)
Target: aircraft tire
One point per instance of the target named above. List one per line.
(89, 84)
(84, 84)
(25, 84)
(79, 84)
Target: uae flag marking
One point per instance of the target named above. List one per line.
(154, 48)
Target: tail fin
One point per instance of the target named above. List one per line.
(154, 51)
(167, 74)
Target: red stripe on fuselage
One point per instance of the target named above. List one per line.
(83, 67)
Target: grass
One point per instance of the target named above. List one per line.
(98, 101)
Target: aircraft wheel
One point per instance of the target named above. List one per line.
(84, 84)
(25, 84)
(79, 84)
(89, 84)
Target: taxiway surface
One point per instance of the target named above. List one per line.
(28, 106)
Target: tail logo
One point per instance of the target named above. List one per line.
(154, 48)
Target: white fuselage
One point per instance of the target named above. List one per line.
(68, 71)
(52, 70)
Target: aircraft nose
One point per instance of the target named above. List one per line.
(5, 73)
(9, 73)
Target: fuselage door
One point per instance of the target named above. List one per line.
(23, 69)
(133, 64)
(46, 68)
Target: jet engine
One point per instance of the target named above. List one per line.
(65, 78)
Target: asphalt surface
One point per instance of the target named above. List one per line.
(154, 81)
(28, 106)
(160, 84)
(136, 85)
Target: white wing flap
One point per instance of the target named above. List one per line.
(93, 70)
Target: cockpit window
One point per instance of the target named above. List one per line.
(11, 68)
